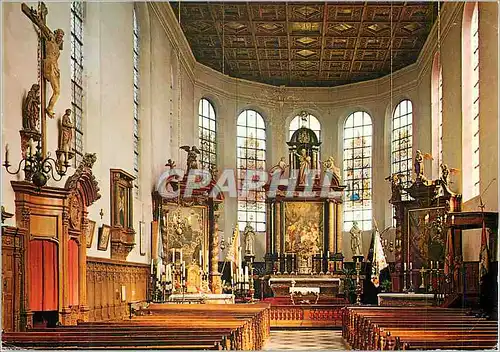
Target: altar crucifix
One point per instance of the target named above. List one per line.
(51, 44)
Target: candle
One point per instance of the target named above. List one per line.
(151, 266)
(432, 264)
(404, 266)
(328, 255)
(246, 274)
(321, 254)
(452, 219)
(411, 266)
(180, 259)
(6, 161)
(200, 258)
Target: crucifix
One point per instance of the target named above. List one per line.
(51, 44)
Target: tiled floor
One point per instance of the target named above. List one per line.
(306, 340)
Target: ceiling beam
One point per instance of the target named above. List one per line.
(323, 38)
(253, 30)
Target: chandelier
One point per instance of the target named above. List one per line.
(38, 168)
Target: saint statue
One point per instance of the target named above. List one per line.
(419, 164)
(66, 134)
(356, 241)
(31, 109)
(329, 165)
(280, 167)
(121, 208)
(445, 173)
(305, 165)
(249, 236)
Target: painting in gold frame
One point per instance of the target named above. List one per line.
(90, 233)
(185, 228)
(303, 228)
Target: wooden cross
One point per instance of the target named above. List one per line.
(50, 45)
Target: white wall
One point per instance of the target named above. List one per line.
(172, 84)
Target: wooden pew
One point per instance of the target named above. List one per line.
(415, 328)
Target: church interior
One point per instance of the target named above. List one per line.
(250, 175)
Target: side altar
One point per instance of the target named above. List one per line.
(185, 248)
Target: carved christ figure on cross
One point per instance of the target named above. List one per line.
(53, 44)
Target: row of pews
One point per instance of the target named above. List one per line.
(166, 326)
(416, 328)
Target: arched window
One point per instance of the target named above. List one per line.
(305, 120)
(470, 100)
(77, 90)
(401, 143)
(358, 170)
(251, 155)
(136, 102)
(207, 129)
(437, 113)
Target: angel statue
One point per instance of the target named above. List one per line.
(192, 157)
(279, 167)
(446, 172)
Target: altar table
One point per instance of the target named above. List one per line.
(327, 285)
(202, 298)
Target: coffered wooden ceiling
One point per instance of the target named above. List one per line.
(306, 43)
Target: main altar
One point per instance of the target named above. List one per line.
(304, 259)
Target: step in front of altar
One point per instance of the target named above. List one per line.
(307, 316)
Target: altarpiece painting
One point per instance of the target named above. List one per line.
(303, 228)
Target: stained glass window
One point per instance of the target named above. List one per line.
(401, 144)
(251, 155)
(136, 103)
(358, 170)
(77, 17)
(474, 126)
(305, 120)
(207, 128)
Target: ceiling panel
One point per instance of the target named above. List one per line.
(306, 43)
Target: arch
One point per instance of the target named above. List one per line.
(357, 169)
(470, 101)
(207, 133)
(305, 119)
(251, 155)
(402, 142)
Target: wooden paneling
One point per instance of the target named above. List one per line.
(105, 279)
(11, 278)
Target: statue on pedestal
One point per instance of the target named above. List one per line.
(31, 109)
(305, 165)
(356, 241)
(249, 236)
(66, 135)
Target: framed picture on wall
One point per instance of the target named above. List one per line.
(90, 233)
(104, 233)
(142, 238)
